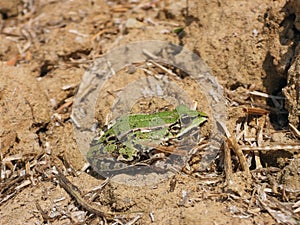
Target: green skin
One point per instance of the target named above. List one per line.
(131, 135)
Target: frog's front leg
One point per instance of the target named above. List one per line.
(127, 153)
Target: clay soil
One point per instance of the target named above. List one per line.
(250, 47)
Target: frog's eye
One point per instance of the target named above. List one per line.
(185, 119)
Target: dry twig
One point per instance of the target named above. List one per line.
(271, 148)
(227, 162)
(76, 194)
(295, 131)
(236, 148)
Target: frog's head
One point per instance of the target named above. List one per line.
(189, 119)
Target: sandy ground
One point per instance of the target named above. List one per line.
(47, 45)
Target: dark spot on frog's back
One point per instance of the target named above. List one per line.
(118, 133)
(111, 138)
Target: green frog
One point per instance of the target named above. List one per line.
(143, 139)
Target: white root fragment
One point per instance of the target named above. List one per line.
(271, 148)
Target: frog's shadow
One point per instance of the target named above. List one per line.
(129, 171)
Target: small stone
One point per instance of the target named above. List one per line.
(133, 23)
